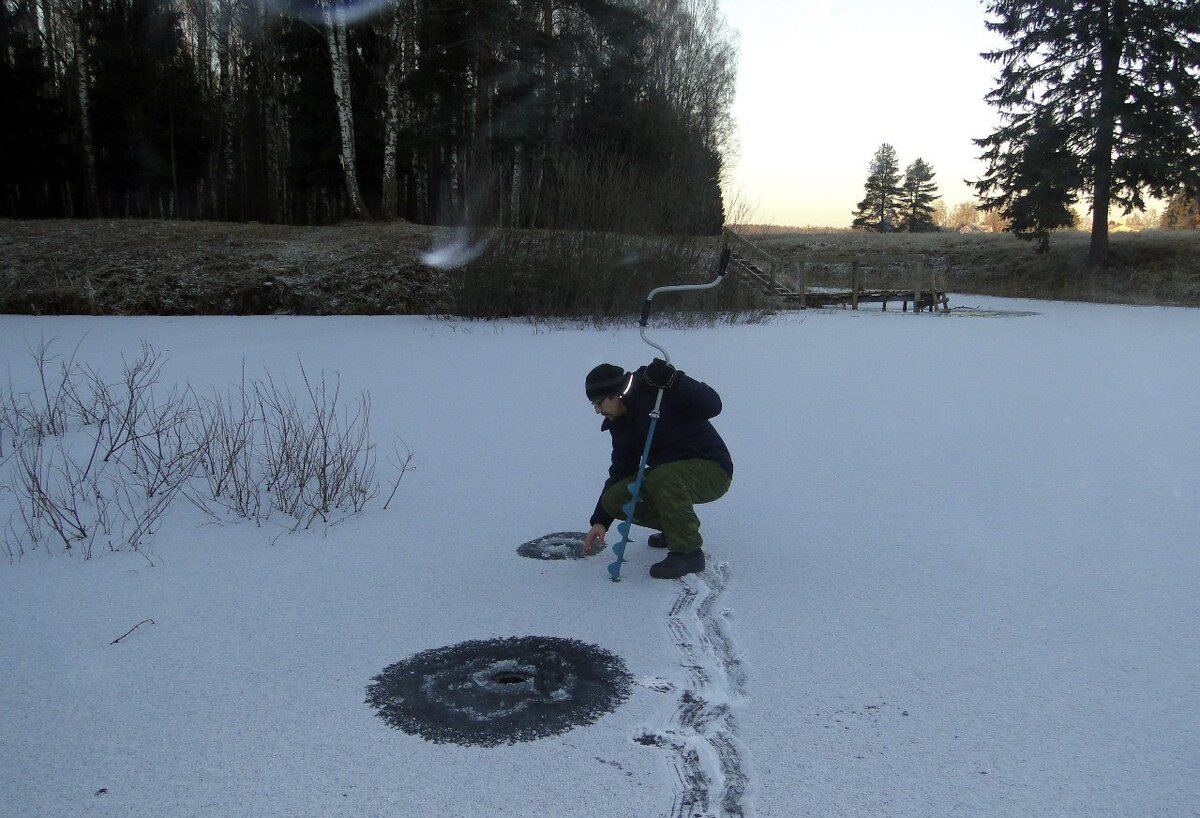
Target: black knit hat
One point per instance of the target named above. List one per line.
(605, 380)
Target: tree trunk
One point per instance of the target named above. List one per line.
(276, 144)
(1112, 46)
(335, 33)
(415, 198)
(391, 116)
(87, 147)
(222, 161)
(53, 48)
(203, 61)
(543, 169)
(174, 158)
(278, 158)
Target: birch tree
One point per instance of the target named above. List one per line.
(401, 45)
(334, 16)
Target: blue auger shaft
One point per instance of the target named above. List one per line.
(614, 568)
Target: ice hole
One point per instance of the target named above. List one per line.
(511, 677)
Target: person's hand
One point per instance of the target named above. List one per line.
(660, 374)
(595, 535)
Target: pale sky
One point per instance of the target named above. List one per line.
(822, 84)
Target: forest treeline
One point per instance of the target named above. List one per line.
(599, 114)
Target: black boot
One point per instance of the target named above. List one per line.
(678, 564)
(658, 540)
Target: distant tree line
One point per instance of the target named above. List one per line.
(509, 112)
(966, 215)
(894, 202)
(1181, 212)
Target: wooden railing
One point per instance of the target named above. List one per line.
(765, 271)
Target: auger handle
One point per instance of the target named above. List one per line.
(722, 267)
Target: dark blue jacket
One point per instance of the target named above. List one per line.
(683, 431)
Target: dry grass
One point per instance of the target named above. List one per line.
(1152, 267)
(203, 268)
(210, 268)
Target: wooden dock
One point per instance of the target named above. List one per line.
(789, 288)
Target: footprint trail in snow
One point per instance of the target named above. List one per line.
(699, 732)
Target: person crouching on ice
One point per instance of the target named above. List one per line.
(688, 462)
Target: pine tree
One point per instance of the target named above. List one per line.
(919, 192)
(1036, 178)
(878, 211)
(1118, 77)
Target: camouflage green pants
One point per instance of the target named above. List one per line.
(667, 496)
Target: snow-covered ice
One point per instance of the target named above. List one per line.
(956, 574)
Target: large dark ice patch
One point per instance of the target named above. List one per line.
(500, 691)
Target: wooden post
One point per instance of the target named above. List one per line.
(916, 289)
(927, 274)
(939, 294)
(804, 285)
(854, 285)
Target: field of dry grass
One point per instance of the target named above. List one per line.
(1152, 267)
(158, 267)
(130, 267)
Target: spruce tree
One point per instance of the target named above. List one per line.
(1118, 77)
(919, 192)
(879, 209)
(1036, 181)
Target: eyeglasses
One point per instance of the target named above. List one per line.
(599, 401)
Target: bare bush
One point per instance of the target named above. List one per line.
(317, 455)
(591, 276)
(44, 410)
(92, 463)
(57, 494)
(226, 432)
